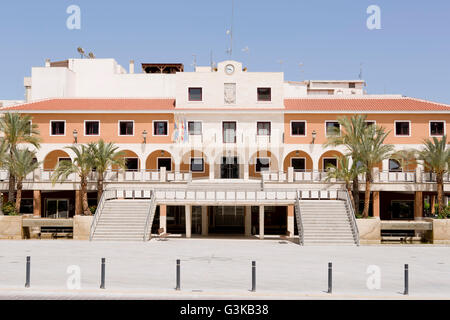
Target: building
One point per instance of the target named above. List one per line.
(224, 150)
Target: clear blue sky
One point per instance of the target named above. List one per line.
(409, 56)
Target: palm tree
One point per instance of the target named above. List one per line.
(17, 129)
(21, 165)
(82, 165)
(350, 137)
(104, 155)
(436, 157)
(406, 157)
(345, 172)
(3, 158)
(373, 150)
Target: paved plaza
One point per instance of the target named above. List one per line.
(220, 269)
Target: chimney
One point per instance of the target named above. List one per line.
(131, 66)
(47, 63)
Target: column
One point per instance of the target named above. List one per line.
(261, 222)
(418, 205)
(376, 204)
(290, 220)
(78, 207)
(248, 221)
(204, 220)
(37, 204)
(163, 217)
(188, 220)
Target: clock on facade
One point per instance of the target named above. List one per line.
(229, 69)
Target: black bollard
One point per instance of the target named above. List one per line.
(178, 287)
(406, 292)
(253, 276)
(28, 271)
(330, 277)
(102, 284)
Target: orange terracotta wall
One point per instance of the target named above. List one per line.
(109, 127)
(329, 154)
(152, 160)
(51, 160)
(185, 165)
(301, 154)
(419, 126)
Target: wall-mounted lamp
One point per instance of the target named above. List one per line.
(162, 153)
(314, 135)
(75, 136)
(144, 135)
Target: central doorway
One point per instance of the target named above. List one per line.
(229, 168)
(57, 208)
(226, 219)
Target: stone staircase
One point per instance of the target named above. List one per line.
(326, 222)
(123, 220)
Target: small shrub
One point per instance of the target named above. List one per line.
(9, 209)
(93, 208)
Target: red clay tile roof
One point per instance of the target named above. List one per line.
(363, 104)
(93, 104)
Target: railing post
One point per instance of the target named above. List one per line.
(28, 272)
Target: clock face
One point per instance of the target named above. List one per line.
(229, 69)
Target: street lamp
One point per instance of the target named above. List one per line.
(314, 135)
(144, 135)
(75, 136)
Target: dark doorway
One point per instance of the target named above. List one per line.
(226, 219)
(229, 168)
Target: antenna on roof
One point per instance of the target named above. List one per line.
(230, 31)
(194, 62)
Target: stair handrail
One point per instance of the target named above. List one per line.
(352, 214)
(299, 222)
(147, 228)
(106, 195)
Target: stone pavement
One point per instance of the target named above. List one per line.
(220, 269)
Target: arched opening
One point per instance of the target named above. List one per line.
(195, 162)
(53, 158)
(299, 160)
(329, 158)
(261, 161)
(158, 159)
(132, 161)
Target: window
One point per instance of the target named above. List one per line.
(262, 164)
(298, 128)
(263, 128)
(395, 166)
(29, 128)
(92, 128)
(126, 128)
(58, 128)
(264, 94)
(195, 94)
(26, 206)
(352, 85)
(370, 123)
(131, 164)
(160, 128)
(195, 128)
(64, 159)
(329, 162)
(197, 164)
(437, 128)
(299, 164)
(165, 162)
(333, 128)
(229, 132)
(402, 128)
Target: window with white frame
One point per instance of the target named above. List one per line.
(195, 94)
(298, 128)
(437, 128)
(197, 165)
(91, 128)
(58, 128)
(333, 128)
(195, 128)
(402, 128)
(160, 128)
(126, 128)
(262, 164)
(263, 128)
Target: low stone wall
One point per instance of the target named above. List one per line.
(82, 227)
(441, 231)
(11, 228)
(369, 230)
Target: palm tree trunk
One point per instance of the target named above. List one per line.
(367, 194)
(11, 187)
(99, 186)
(84, 198)
(349, 189)
(440, 192)
(356, 194)
(19, 195)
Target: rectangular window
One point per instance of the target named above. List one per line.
(298, 128)
(352, 85)
(28, 128)
(195, 94)
(64, 159)
(262, 164)
(160, 128)
(299, 164)
(165, 162)
(126, 128)
(437, 128)
(195, 128)
(197, 165)
(229, 132)
(92, 128)
(264, 94)
(333, 128)
(263, 128)
(402, 128)
(370, 123)
(26, 206)
(58, 128)
(132, 164)
(329, 162)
